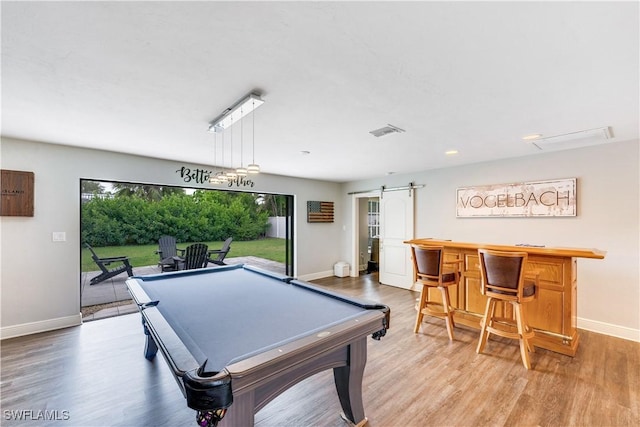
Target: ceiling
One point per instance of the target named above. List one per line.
(146, 78)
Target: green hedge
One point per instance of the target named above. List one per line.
(203, 216)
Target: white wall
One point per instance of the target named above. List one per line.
(40, 279)
(608, 219)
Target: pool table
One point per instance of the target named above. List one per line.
(235, 337)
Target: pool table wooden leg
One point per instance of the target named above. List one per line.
(241, 412)
(150, 346)
(348, 381)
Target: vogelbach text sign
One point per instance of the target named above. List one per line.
(540, 198)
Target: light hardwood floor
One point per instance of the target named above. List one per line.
(96, 375)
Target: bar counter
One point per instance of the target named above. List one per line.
(553, 314)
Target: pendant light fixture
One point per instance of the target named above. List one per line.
(231, 173)
(241, 171)
(220, 124)
(253, 167)
(218, 176)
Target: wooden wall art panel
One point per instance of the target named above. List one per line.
(17, 193)
(319, 211)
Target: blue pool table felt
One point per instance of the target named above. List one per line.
(246, 313)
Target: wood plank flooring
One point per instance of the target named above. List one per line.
(96, 375)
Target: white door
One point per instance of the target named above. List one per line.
(396, 226)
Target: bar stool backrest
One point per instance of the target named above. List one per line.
(502, 273)
(428, 261)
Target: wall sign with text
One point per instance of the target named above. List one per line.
(522, 199)
(201, 176)
(17, 193)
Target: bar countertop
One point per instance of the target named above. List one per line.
(531, 249)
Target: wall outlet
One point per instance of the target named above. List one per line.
(59, 236)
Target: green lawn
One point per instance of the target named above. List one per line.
(139, 256)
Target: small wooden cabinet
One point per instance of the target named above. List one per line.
(554, 310)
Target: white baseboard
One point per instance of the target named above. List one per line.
(40, 326)
(609, 329)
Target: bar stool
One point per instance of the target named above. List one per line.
(429, 266)
(503, 279)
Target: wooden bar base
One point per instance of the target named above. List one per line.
(552, 314)
(559, 344)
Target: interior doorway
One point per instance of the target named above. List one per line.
(263, 235)
(389, 212)
(365, 255)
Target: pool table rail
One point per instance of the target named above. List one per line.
(359, 302)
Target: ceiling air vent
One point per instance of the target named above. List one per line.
(583, 138)
(386, 130)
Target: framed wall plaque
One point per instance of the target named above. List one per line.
(550, 198)
(17, 193)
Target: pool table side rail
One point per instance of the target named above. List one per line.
(138, 294)
(201, 389)
(173, 349)
(336, 336)
(358, 302)
(272, 372)
(199, 271)
(169, 343)
(271, 274)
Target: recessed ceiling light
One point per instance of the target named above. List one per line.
(451, 152)
(597, 134)
(389, 128)
(532, 136)
(305, 152)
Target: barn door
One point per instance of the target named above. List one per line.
(396, 226)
